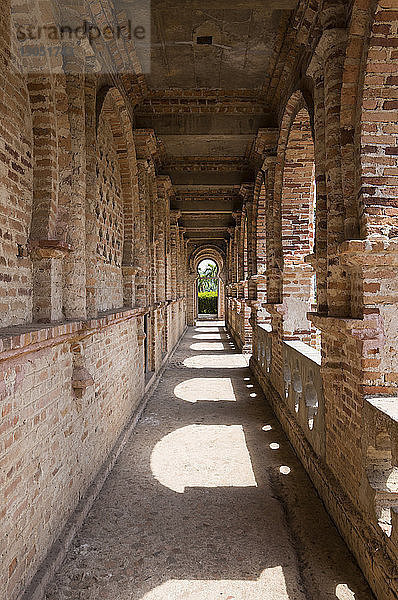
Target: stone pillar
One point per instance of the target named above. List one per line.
(331, 50)
(174, 216)
(47, 258)
(141, 246)
(129, 292)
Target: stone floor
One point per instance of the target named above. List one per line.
(208, 501)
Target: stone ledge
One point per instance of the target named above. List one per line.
(377, 251)
(19, 338)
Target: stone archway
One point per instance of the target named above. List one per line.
(198, 255)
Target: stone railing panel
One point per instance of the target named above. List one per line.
(379, 486)
(304, 392)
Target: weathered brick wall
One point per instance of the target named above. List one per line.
(351, 98)
(110, 222)
(16, 168)
(298, 227)
(379, 126)
(52, 443)
(67, 157)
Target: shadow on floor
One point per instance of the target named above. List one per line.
(208, 500)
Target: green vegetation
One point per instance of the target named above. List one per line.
(208, 303)
(208, 288)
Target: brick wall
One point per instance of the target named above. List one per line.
(298, 199)
(16, 168)
(379, 127)
(53, 442)
(110, 221)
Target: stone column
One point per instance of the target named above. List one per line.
(129, 291)
(47, 258)
(174, 216)
(141, 245)
(331, 50)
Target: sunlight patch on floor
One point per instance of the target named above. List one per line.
(210, 389)
(207, 336)
(203, 456)
(343, 592)
(207, 346)
(216, 361)
(271, 585)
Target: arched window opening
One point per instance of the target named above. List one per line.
(208, 287)
(109, 217)
(298, 232)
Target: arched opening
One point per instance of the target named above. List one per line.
(109, 216)
(207, 288)
(298, 231)
(202, 258)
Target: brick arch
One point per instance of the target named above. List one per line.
(110, 242)
(297, 219)
(293, 107)
(204, 252)
(207, 252)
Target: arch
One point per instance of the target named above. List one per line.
(110, 202)
(292, 280)
(209, 252)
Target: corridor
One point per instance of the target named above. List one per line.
(208, 500)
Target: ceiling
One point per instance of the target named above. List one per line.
(211, 62)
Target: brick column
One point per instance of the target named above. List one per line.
(331, 50)
(73, 193)
(47, 258)
(174, 216)
(319, 261)
(141, 245)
